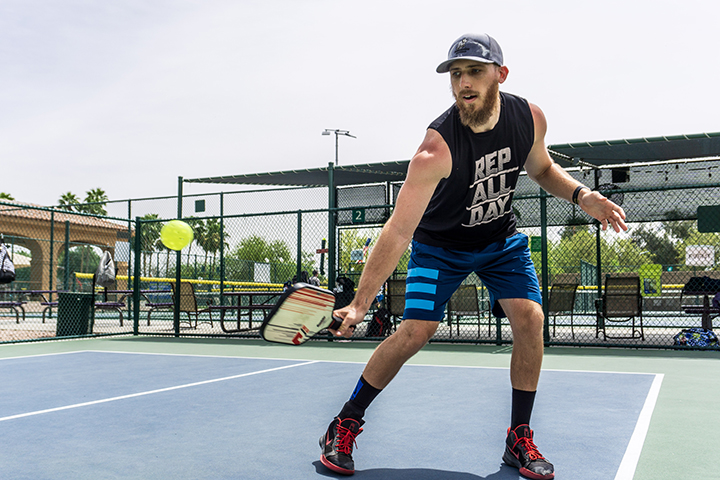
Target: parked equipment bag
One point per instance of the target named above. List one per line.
(696, 337)
(7, 269)
(380, 324)
(344, 291)
(105, 273)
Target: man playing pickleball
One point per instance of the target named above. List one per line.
(455, 207)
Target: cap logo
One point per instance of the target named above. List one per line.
(462, 47)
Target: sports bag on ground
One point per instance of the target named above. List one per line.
(696, 337)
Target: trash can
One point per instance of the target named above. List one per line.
(74, 314)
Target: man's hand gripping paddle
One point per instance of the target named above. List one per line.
(301, 311)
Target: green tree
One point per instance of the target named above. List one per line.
(659, 243)
(257, 249)
(574, 224)
(198, 227)
(210, 236)
(95, 201)
(150, 241)
(679, 228)
(6, 196)
(68, 201)
(625, 255)
(566, 255)
(278, 254)
(81, 259)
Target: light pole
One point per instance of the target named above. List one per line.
(329, 131)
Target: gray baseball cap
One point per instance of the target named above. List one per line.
(482, 48)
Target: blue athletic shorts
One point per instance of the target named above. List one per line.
(434, 273)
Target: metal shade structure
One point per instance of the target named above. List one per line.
(637, 150)
(318, 177)
(595, 155)
(598, 154)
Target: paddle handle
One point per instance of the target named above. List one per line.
(336, 322)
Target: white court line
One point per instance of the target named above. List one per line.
(150, 392)
(632, 454)
(42, 355)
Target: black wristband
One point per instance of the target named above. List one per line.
(577, 192)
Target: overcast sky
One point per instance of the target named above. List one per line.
(127, 95)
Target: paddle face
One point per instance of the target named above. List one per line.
(302, 311)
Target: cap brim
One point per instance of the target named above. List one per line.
(444, 67)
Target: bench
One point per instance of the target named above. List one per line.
(48, 305)
(117, 306)
(171, 306)
(16, 307)
(698, 309)
(704, 287)
(265, 308)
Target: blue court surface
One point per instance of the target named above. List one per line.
(108, 415)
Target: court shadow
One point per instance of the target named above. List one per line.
(504, 473)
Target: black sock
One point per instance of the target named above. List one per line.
(360, 399)
(522, 406)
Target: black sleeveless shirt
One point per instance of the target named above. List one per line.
(471, 208)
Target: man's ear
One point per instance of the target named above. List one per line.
(503, 73)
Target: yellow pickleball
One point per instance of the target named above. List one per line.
(176, 234)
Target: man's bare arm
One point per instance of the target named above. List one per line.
(429, 165)
(557, 182)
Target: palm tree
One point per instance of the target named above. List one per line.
(68, 201)
(96, 200)
(150, 240)
(198, 227)
(211, 236)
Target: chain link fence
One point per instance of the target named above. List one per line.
(638, 288)
(54, 253)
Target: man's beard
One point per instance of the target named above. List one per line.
(470, 116)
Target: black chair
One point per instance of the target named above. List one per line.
(562, 302)
(621, 303)
(464, 303)
(395, 298)
(189, 304)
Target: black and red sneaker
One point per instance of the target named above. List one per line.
(521, 453)
(337, 445)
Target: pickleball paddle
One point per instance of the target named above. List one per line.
(302, 311)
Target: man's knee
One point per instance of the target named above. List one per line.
(525, 316)
(416, 333)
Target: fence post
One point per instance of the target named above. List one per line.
(598, 253)
(299, 245)
(66, 278)
(544, 260)
(222, 248)
(178, 266)
(331, 226)
(137, 247)
(52, 255)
